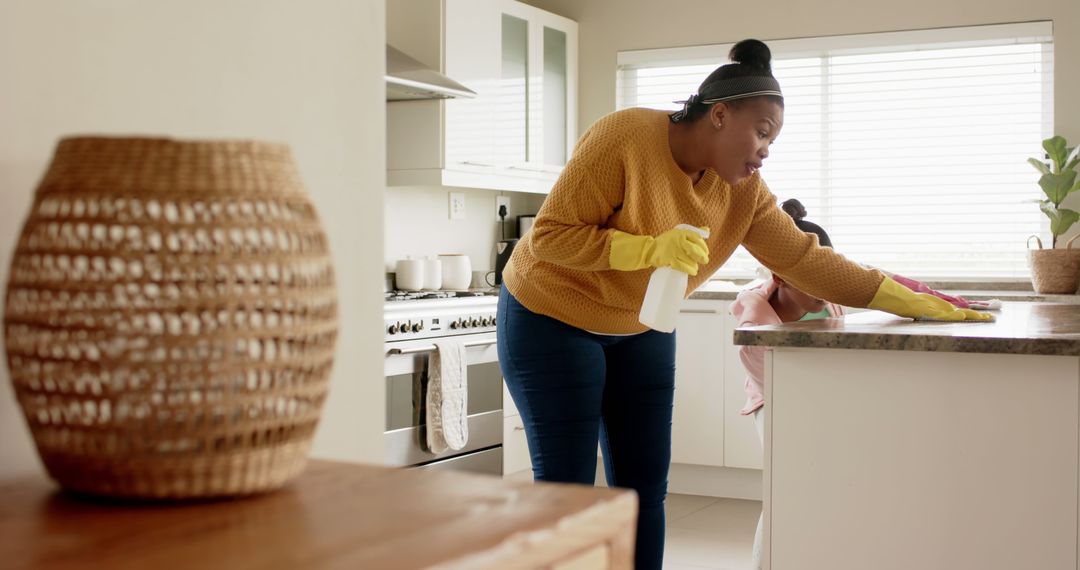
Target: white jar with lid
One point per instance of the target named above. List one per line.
(409, 274)
(432, 273)
(456, 271)
(664, 297)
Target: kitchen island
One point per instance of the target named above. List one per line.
(894, 444)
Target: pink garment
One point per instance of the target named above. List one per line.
(752, 308)
(920, 287)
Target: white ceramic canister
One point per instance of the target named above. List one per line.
(456, 271)
(433, 273)
(409, 274)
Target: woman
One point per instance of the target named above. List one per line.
(578, 364)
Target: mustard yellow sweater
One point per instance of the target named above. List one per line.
(622, 176)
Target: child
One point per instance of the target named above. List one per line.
(772, 302)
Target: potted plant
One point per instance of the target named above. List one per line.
(1056, 270)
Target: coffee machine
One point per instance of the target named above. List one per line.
(503, 249)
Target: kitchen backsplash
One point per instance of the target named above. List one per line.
(417, 223)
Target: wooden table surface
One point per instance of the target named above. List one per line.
(335, 515)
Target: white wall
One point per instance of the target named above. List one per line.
(418, 223)
(308, 74)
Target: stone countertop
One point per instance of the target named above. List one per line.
(726, 291)
(1021, 328)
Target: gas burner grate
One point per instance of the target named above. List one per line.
(423, 295)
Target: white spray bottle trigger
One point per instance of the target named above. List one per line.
(703, 232)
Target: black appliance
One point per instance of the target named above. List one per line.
(503, 249)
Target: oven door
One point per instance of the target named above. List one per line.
(406, 391)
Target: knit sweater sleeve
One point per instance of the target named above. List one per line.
(569, 229)
(775, 241)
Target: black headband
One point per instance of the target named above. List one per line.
(728, 90)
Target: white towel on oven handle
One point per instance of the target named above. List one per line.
(447, 397)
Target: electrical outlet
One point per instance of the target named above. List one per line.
(502, 201)
(457, 205)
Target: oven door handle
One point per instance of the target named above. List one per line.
(431, 348)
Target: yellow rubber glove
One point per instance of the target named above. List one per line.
(894, 298)
(677, 248)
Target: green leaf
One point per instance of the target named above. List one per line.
(1039, 165)
(1057, 186)
(1055, 147)
(1061, 219)
(1074, 158)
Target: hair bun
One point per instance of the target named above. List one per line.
(794, 208)
(751, 52)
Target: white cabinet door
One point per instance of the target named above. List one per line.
(472, 58)
(697, 430)
(742, 448)
(935, 460)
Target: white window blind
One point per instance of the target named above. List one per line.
(909, 148)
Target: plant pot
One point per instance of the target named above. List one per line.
(171, 317)
(1054, 271)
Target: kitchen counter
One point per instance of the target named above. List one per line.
(893, 444)
(727, 290)
(1020, 328)
(335, 515)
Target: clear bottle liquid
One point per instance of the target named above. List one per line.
(665, 294)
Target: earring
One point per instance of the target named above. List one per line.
(719, 125)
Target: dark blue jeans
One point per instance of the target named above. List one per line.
(574, 388)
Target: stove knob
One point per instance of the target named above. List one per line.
(392, 329)
(485, 322)
(476, 321)
(455, 324)
(417, 327)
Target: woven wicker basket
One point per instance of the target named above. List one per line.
(171, 318)
(1054, 271)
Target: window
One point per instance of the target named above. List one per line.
(909, 148)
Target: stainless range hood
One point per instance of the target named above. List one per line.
(408, 80)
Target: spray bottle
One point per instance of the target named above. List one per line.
(664, 297)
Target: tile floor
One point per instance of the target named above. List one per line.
(709, 533)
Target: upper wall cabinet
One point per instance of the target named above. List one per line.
(517, 133)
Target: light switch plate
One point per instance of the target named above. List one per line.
(457, 205)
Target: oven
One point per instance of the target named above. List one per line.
(411, 326)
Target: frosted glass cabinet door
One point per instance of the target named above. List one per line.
(535, 113)
(553, 127)
(555, 95)
(512, 106)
